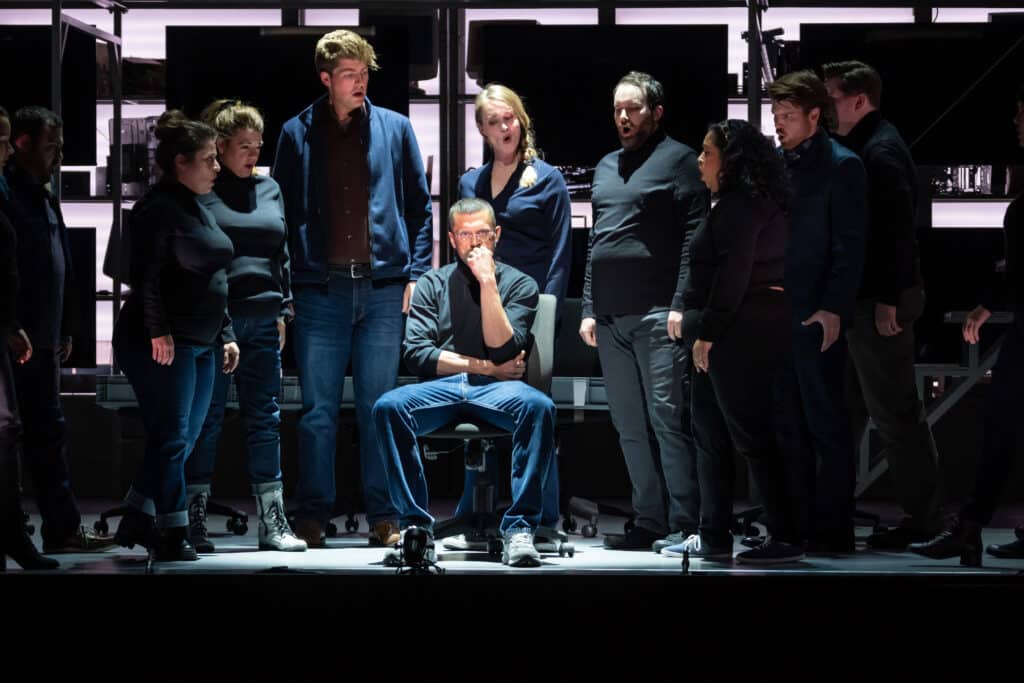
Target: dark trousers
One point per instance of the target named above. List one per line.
(734, 406)
(813, 426)
(880, 383)
(258, 379)
(647, 382)
(173, 400)
(44, 445)
(1006, 407)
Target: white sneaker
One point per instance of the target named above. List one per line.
(463, 542)
(519, 550)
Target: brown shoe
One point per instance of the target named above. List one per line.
(311, 531)
(384, 534)
(83, 540)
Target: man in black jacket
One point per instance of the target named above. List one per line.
(44, 267)
(824, 259)
(880, 371)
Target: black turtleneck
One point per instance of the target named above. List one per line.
(445, 316)
(647, 203)
(178, 261)
(891, 250)
(251, 212)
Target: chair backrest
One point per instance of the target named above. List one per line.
(573, 358)
(541, 359)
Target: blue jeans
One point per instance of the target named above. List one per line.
(173, 400)
(405, 413)
(258, 378)
(347, 318)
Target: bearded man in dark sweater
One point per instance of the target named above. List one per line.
(880, 380)
(647, 200)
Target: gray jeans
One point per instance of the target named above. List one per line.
(647, 383)
(880, 384)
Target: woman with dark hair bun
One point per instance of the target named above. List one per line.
(173, 331)
(736, 319)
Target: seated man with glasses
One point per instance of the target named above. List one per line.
(466, 337)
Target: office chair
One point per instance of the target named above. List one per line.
(484, 519)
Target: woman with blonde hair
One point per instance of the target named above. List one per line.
(531, 204)
(249, 209)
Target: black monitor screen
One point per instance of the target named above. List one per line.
(272, 68)
(25, 80)
(568, 81)
(949, 88)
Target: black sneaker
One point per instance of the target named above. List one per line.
(637, 538)
(897, 538)
(674, 538)
(772, 552)
(1007, 551)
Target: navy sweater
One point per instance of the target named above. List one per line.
(178, 279)
(535, 223)
(251, 212)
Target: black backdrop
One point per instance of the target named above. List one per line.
(566, 75)
(925, 69)
(25, 79)
(272, 69)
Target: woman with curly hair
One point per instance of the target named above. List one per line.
(736, 320)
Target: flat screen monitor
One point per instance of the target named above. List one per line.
(272, 68)
(25, 80)
(567, 85)
(949, 88)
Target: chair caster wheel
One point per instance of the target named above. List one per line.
(331, 530)
(237, 526)
(629, 526)
(494, 547)
(589, 531)
(351, 526)
(569, 525)
(566, 550)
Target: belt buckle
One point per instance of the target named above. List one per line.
(352, 271)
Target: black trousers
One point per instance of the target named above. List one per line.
(1006, 408)
(880, 383)
(734, 406)
(44, 444)
(813, 427)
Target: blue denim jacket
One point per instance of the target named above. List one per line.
(400, 212)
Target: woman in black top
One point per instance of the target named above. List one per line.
(249, 209)
(173, 332)
(735, 317)
(1006, 396)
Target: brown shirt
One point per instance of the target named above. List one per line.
(348, 195)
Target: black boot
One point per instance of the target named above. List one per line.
(14, 541)
(171, 545)
(962, 538)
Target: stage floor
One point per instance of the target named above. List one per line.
(350, 554)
